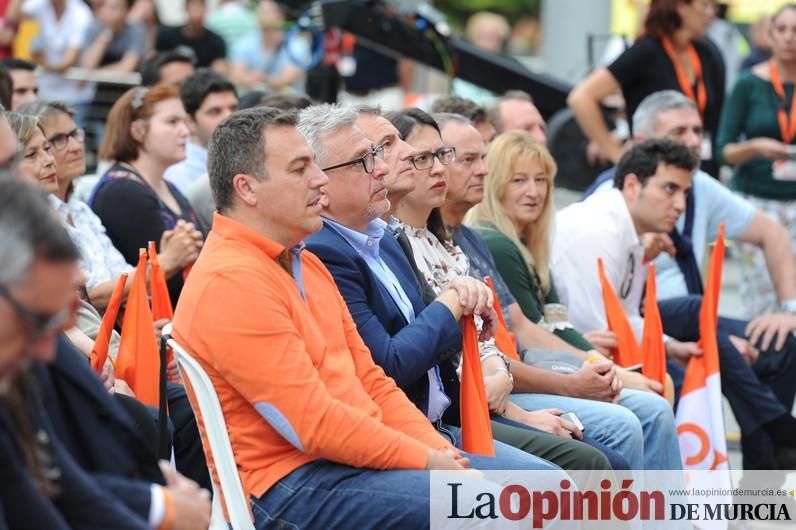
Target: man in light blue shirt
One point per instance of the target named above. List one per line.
(670, 114)
(678, 259)
(266, 58)
(208, 98)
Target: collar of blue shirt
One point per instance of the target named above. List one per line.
(366, 243)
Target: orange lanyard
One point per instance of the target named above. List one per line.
(701, 98)
(786, 126)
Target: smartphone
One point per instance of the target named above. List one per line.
(573, 418)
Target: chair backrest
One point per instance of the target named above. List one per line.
(216, 435)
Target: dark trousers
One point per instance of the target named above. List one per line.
(183, 435)
(757, 393)
(188, 453)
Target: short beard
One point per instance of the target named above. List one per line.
(374, 213)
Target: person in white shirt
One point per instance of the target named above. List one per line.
(652, 185)
(208, 98)
(652, 181)
(57, 47)
(669, 114)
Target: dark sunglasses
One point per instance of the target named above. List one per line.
(38, 323)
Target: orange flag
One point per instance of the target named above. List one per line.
(474, 409)
(99, 353)
(627, 353)
(708, 316)
(159, 293)
(699, 418)
(708, 363)
(504, 340)
(161, 302)
(652, 347)
(138, 362)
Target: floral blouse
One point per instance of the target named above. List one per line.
(100, 261)
(440, 264)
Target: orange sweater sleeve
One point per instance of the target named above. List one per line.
(397, 411)
(256, 346)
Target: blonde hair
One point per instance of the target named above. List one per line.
(501, 159)
(23, 125)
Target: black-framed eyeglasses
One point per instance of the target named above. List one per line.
(368, 160)
(445, 155)
(60, 141)
(38, 323)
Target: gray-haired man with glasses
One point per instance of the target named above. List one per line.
(368, 160)
(411, 337)
(355, 166)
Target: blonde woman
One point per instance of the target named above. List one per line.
(515, 219)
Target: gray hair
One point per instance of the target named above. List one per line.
(23, 125)
(371, 110)
(318, 121)
(237, 146)
(444, 117)
(44, 110)
(645, 119)
(30, 231)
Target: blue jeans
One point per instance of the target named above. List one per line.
(641, 428)
(324, 494)
(661, 448)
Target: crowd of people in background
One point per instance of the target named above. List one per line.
(323, 263)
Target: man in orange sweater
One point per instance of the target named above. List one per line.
(311, 418)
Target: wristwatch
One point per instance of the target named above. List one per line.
(789, 306)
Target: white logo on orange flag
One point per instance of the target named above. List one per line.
(700, 423)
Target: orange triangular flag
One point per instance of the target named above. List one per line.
(138, 362)
(699, 368)
(473, 406)
(159, 293)
(652, 347)
(99, 353)
(627, 353)
(504, 340)
(158, 289)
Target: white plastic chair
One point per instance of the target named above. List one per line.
(216, 433)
